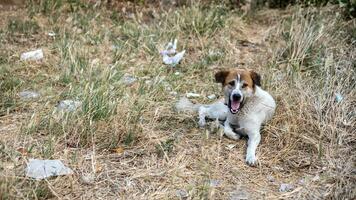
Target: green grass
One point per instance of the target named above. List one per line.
(24, 27)
(304, 59)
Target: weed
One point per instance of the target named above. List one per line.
(24, 27)
(165, 147)
(43, 6)
(129, 138)
(8, 85)
(4, 189)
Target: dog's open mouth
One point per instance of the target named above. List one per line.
(234, 106)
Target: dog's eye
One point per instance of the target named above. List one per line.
(244, 85)
(232, 83)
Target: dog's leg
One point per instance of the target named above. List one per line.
(202, 115)
(254, 139)
(229, 132)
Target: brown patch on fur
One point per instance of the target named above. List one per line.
(221, 76)
(250, 77)
(256, 78)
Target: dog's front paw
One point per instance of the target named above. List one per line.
(202, 123)
(231, 134)
(251, 160)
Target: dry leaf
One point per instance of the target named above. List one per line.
(98, 168)
(118, 150)
(23, 151)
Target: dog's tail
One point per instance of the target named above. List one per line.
(185, 105)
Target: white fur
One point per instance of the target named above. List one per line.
(258, 108)
(217, 110)
(184, 105)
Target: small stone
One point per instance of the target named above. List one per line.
(270, 178)
(148, 82)
(182, 194)
(177, 73)
(29, 94)
(316, 178)
(338, 97)
(286, 187)
(69, 105)
(88, 178)
(301, 181)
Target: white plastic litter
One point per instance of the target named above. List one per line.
(170, 50)
(52, 34)
(40, 169)
(212, 96)
(29, 94)
(174, 60)
(231, 146)
(286, 187)
(32, 55)
(192, 95)
(69, 105)
(338, 97)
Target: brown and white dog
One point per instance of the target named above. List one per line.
(245, 107)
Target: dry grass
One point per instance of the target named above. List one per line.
(128, 142)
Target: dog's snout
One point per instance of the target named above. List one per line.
(236, 97)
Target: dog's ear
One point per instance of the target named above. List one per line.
(221, 76)
(256, 78)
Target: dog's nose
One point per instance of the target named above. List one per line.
(236, 97)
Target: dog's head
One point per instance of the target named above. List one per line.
(238, 86)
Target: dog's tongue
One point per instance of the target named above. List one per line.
(235, 105)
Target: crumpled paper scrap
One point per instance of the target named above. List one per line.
(171, 49)
(41, 169)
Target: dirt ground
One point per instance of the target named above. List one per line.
(128, 141)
